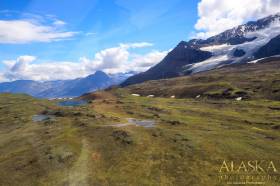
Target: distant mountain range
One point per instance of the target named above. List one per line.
(64, 88)
(244, 43)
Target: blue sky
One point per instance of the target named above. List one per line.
(65, 39)
(102, 24)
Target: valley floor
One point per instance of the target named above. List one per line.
(95, 144)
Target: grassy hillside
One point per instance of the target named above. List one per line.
(251, 81)
(96, 144)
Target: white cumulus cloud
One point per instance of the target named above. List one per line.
(25, 67)
(121, 59)
(27, 31)
(2, 78)
(216, 16)
(58, 22)
(136, 45)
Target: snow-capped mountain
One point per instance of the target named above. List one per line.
(240, 34)
(237, 45)
(244, 43)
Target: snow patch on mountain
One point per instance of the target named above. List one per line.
(261, 59)
(217, 49)
(208, 64)
(223, 54)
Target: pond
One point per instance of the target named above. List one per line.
(40, 117)
(137, 122)
(143, 123)
(72, 103)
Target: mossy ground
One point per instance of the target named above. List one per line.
(80, 147)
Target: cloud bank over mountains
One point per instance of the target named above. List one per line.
(111, 60)
(215, 16)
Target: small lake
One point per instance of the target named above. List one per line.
(40, 117)
(72, 103)
(143, 123)
(137, 122)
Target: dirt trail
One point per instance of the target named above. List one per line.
(79, 173)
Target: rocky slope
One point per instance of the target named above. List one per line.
(272, 48)
(172, 65)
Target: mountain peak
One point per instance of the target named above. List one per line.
(97, 74)
(182, 43)
(100, 73)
